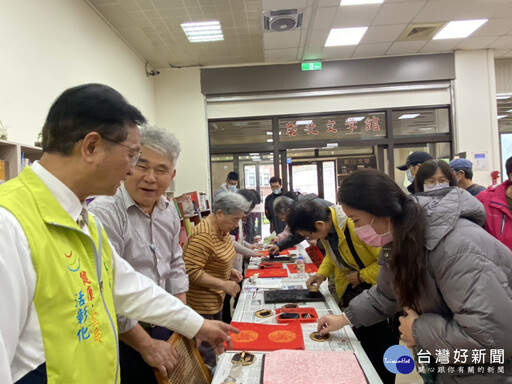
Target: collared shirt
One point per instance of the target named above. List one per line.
(21, 341)
(150, 243)
(63, 194)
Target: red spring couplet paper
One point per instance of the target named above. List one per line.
(267, 337)
(262, 273)
(310, 268)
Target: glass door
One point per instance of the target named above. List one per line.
(318, 177)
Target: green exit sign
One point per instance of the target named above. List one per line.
(313, 66)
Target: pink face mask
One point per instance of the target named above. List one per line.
(367, 234)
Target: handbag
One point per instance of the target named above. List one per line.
(351, 292)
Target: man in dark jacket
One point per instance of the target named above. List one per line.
(277, 190)
(463, 169)
(411, 166)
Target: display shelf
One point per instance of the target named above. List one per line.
(11, 152)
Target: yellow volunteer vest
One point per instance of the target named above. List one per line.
(73, 295)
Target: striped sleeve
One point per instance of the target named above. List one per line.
(197, 252)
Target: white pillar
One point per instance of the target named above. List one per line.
(476, 124)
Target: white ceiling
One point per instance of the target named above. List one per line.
(152, 29)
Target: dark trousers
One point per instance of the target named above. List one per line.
(375, 339)
(134, 369)
(226, 309)
(205, 349)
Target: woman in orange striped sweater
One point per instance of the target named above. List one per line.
(209, 254)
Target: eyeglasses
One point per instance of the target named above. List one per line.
(307, 237)
(135, 157)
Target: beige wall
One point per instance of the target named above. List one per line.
(180, 107)
(48, 46)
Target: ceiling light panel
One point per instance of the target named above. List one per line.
(360, 2)
(459, 29)
(409, 116)
(203, 31)
(345, 36)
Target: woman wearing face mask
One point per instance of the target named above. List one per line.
(433, 175)
(354, 265)
(449, 276)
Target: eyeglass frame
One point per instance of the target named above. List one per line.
(136, 157)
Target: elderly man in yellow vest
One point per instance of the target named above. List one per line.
(62, 283)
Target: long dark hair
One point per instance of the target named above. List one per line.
(428, 169)
(374, 192)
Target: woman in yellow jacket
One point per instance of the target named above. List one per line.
(355, 268)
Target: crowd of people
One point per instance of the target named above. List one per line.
(87, 282)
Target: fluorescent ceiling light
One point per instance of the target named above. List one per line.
(360, 2)
(502, 116)
(269, 133)
(359, 118)
(303, 122)
(345, 36)
(203, 31)
(409, 116)
(270, 140)
(510, 110)
(503, 97)
(332, 145)
(459, 29)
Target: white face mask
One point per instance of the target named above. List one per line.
(232, 188)
(409, 175)
(433, 187)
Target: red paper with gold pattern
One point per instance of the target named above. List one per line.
(267, 337)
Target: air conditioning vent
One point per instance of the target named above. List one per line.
(282, 20)
(417, 32)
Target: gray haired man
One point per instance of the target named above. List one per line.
(144, 228)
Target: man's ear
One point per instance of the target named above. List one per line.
(319, 225)
(89, 146)
(173, 174)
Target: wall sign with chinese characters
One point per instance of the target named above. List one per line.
(347, 165)
(333, 127)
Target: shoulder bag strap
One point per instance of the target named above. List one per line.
(352, 249)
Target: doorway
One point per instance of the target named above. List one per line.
(318, 177)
